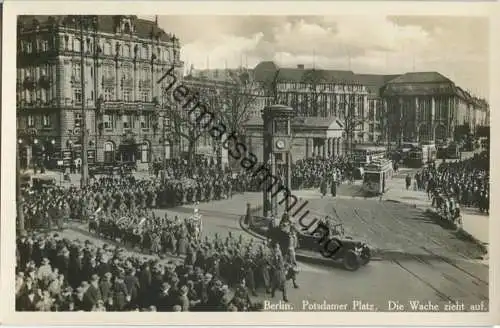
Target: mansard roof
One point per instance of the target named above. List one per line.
(267, 71)
(144, 29)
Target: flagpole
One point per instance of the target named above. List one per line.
(314, 58)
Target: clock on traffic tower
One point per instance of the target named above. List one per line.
(277, 135)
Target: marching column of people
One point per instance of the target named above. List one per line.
(56, 274)
(464, 182)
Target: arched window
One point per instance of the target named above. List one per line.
(126, 51)
(145, 152)
(109, 152)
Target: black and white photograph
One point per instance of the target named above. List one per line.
(251, 163)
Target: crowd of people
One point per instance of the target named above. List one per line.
(311, 173)
(463, 183)
(117, 194)
(56, 274)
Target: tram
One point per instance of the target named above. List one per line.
(365, 154)
(421, 156)
(376, 176)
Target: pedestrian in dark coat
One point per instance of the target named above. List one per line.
(120, 293)
(165, 301)
(333, 188)
(408, 181)
(279, 276)
(105, 286)
(324, 187)
(92, 294)
(132, 284)
(28, 301)
(145, 281)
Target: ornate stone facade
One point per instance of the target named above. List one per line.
(123, 58)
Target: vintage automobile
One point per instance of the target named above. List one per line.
(351, 254)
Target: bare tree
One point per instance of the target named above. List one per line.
(238, 97)
(314, 103)
(183, 128)
(350, 120)
(230, 101)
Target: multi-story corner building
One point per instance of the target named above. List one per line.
(427, 107)
(123, 57)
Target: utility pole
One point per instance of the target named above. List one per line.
(85, 164)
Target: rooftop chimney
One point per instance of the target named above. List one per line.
(300, 66)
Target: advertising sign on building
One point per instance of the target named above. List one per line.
(91, 156)
(66, 156)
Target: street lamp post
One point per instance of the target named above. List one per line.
(84, 21)
(19, 196)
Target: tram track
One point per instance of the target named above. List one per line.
(475, 279)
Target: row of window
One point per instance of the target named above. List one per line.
(287, 86)
(74, 44)
(46, 121)
(109, 95)
(128, 121)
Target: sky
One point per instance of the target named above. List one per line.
(457, 47)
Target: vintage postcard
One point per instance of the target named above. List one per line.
(321, 163)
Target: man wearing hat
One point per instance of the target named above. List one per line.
(132, 284)
(92, 294)
(165, 301)
(120, 293)
(278, 275)
(105, 286)
(241, 298)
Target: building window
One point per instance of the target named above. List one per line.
(44, 45)
(145, 152)
(75, 71)
(145, 121)
(107, 121)
(46, 121)
(126, 122)
(108, 71)
(78, 120)
(78, 96)
(107, 48)
(126, 50)
(145, 96)
(109, 150)
(127, 95)
(31, 121)
(145, 52)
(76, 45)
(145, 74)
(109, 94)
(371, 110)
(28, 47)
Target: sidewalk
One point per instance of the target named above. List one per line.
(474, 223)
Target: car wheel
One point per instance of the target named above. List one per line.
(351, 261)
(365, 256)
